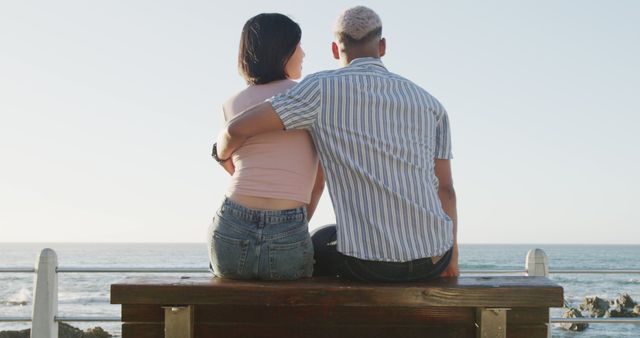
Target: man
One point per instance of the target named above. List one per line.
(385, 148)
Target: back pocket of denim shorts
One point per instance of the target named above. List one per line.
(228, 256)
(291, 260)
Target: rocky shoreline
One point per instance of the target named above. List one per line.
(64, 331)
(595, 307)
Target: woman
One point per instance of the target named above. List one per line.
(261, 229)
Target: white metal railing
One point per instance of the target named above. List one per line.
(130, 270)
(15, 319)
(45, 301)
(17, 270)
(596, 271)
(597, 320)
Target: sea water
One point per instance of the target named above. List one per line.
(87, 294)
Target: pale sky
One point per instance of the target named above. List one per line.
(108, 110)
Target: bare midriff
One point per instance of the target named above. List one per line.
(263, 203)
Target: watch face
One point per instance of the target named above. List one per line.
(214, 153)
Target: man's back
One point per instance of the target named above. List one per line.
(377, 135)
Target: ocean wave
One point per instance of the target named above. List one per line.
(82, 299)
(20, 298)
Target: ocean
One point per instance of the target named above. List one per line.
(85, 294)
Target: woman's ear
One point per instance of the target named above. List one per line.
(336, 50)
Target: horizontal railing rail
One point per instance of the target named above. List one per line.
(17, 270)
(15, 319)
(595, 271)
(103, 269)
(101, 319)
(66, 319)
(608, 320)
(130, 270)
(554, 320)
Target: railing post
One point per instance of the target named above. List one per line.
(537, 264)
(45, 300)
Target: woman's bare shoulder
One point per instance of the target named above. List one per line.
(253, 95)
(288, 83)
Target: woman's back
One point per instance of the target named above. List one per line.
(275, 170)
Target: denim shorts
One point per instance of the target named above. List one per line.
(260, 244)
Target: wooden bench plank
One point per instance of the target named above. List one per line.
(333, 316)
(400, 315)
(156, 330)
(307, 331)
(241, 314)
(512, 291)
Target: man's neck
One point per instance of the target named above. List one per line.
(348, 58)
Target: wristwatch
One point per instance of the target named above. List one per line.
(214, 154)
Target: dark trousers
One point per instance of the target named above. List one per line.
(330, 262)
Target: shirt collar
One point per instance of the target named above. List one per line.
(366, 61)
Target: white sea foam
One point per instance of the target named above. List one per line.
(22, 297)
(81, 298)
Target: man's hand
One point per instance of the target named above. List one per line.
(228, 166)
(452, 269)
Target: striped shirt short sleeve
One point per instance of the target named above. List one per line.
(298, 107)
(443, 138)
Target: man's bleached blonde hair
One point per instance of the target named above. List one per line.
(358, 25)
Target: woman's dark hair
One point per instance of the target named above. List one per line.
(267, 42)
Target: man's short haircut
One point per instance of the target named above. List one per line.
(358, 25)
(267, 43)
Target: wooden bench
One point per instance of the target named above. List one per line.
(184, 307)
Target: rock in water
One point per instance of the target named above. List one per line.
(636, 311)
(596, 306)
(64, 331)
(16, 334)
(96, 332)
(67, 331)
(621, 306)
(625, 300)
(573, 313)
(617, 311)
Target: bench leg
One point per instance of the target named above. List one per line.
(491, 322)
(178, 322)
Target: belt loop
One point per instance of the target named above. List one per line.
(224, 204)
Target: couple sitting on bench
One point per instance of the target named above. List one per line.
(381, 142)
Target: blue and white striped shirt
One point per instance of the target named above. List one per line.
(377, 135)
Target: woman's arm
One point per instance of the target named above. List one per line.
(318, 187)
(227, 165)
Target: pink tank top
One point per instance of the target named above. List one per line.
(281, 164)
